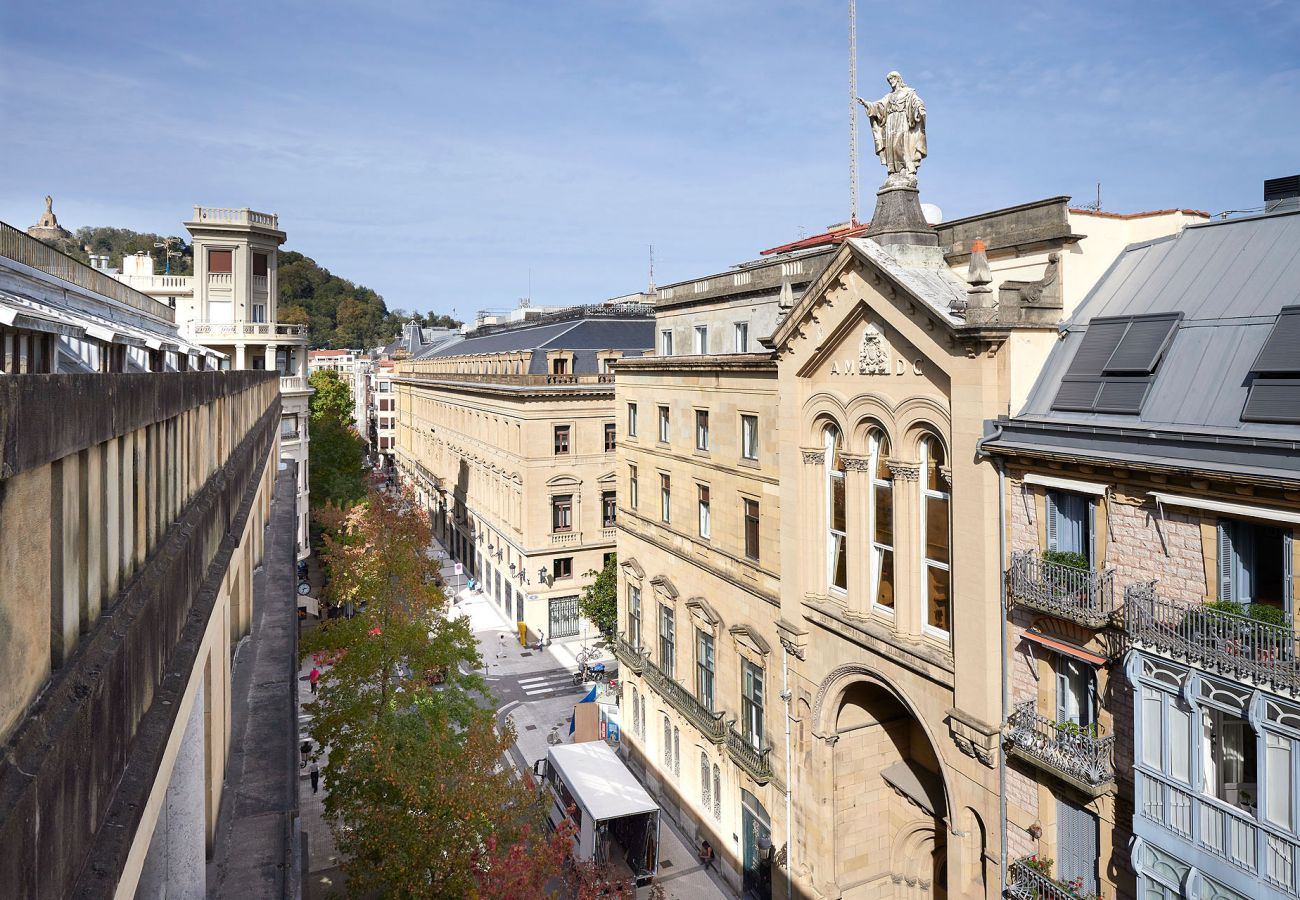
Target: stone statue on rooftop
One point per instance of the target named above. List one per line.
(898, 130)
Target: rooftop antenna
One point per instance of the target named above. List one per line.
(650, 288)
(1095, 207)
(853, 112)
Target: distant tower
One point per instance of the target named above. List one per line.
(48, 227)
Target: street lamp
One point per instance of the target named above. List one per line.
(541, 575)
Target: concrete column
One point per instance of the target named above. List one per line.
(67, 562)
(175, 867)
(8, 360)
(301, 353)
(239, 356)
(113, 516)
(270, 357)
(96, 534)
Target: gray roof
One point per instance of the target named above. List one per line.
(585, 337)
(1229, 279)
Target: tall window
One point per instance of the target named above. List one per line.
(667, 641)
(705, 800)
(934, 525)
(560, 366)
(749, 437)
(562, 512)
(668, 744)
(742, 337)
(751, 529)
(634, 616)
(663, 424)
(221, 262)
(1069, 523)
(561, 440)
(701, 429)
(751, 703)
(665, 498)
(837, 566)
(611, 437)
(608, 509)
(701, 339)
(631, 487)
(706, 525)
(665, 343)
(631, 420)
(1075, 691)
(636, 710)
(1254, 564)
(882, 523)
(717, 792)
(704, 668)
(259, 265)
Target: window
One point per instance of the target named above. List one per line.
(259, 313)
(1076, 846)
(1069, 523)
(1276, 373)
(561, 567)
(634, 616)
(631, 487)
(608, 509)
(742, 337)
(704, 668)
(1165, 734)
(749, 437)
(560, 366)
(259, 265)
(667, 641)
(1253, 564)
(1075, 692)
(1229, 749)
(665, 343)
(1279, 761)
(837, 564)
(717, 792)
(631, 420)
(677, 752)
(668, 744)
(934, 527)
(701, 339)
(705, 524)
(882, 523)
(751, 703)
(701, 429)
(636, 711)
(1115, 363)
(289, 426)
(562, 512)
(221, 262)
(665, 498)
(705, 801)
(385, 387)
(751, 529)
(663, 424)
(561, 440)
(611, 437)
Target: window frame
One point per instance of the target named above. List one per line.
(705, 513)
(753, 702)
(701, 338)
(634, 616)
(559, 503)
(927, 494)
(665, 498)
(702, 430)
(560, 563)
(631, 419)
(755, 518)
(665, 425)
(741, 337)
(632, 485)
(608, 509)
(879, 451)
(833, 477)
(706, 668)
(562, 440)
(611, 437)
(749, 441)
(667, 639)
(666, 342)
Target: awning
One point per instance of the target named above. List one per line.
(1066, 649)
(921, 786)
(599, 781)
(1066, 484)
(1242, 510)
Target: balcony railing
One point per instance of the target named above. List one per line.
(609, 533)
(629, 656)
(226, 216)
(180, 284)
(1028, 882)
(566, 537)
(1079, 595)
(711, 724)
(1232, 645)
(743, 754)
(291, 383)
(606, 378)
(247, 329)
(1066, 750)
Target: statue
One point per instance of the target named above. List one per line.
(872, 359)
(898, 130)
(49, 205)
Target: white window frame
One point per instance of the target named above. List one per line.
(701, 340)
(749, 441)
(704, 500)
(877, 549)
(665, 424)
(631, 419)
(702, 431)
(666, 342)
(742, 337)
(831, 437)
(926, 562)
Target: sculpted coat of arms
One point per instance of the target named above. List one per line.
(873, 357)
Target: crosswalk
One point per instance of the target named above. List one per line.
(550, 683)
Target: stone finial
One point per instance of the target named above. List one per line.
(980, 305)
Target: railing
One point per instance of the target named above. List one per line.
(259, 283)
(1065, 749)
(1027, 882)
(252, 329)
(566, 537)
(221, 215)
(291, 383)
(181, 284)
(290, 435)
(609, 533)
(742, 752)
(711, 724)
(521, 380)
(1079, 595)
(1221, 829)
(23, 248)
(629, 656)
(1233, 645)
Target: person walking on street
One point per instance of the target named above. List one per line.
(305, 748)
(501, 645)
(315, 777)
(313, 678)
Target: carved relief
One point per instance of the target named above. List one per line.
(873, 355)
(813, 457)
(855, 463)
(904, 471)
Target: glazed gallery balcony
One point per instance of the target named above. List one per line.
(1079, 595)
(711, 724)
(1240, 646)
(1064, 749)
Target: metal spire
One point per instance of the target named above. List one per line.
(853, 112)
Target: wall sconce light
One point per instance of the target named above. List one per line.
(512, 567)
(1035, 831)
(491, 546)
(541, 575)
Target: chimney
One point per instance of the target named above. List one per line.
(1282, 194)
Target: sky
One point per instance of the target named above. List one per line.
(457, 156)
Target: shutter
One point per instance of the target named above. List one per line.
(1227, 560)
(1288, 588)
(1053, 521)
(1243, 561)
(1076, 831)
(1062, 690)
(1090, 538)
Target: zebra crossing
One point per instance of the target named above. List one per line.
(559, 681)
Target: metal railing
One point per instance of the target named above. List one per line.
(743, 754)
(711, 724)
(1064, 748)
(1079, 595)
(1233, 645)
(521, 380)
(242, 329)
(1027, 882)
(632, 657)
(23, 248)
(222, 215)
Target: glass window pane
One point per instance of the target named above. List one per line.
(882, 453)
(838, 513)
(1151, 728)
(839, 563)
(936, 529)
(1278, 795)
(934, 479)
(885, 578)
(937, 598)
(1180, 750)
(884, 515)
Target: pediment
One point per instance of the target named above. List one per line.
(664, 589)
(563, 481)
(749, 638)
(608, 478)
(632, 569)
(704, 612)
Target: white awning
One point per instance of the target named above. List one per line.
(1066, 484)
(599, 781)
(1240, 510)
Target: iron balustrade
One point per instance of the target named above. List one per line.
(629, 656)
(1080, 595)
(752, 760)
(1236, 646)
(1028, 882)
(711, 724)
(1066, 749)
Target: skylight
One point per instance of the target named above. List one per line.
(1115, 363)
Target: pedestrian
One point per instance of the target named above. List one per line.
(313, 678)
(501, 645)
(706, 855)
(305, 748)
(541, 641)
(315, 777)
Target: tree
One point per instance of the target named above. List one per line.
(332, 397)
(599, 602)
(336, 473)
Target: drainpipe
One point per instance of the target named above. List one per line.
(789, 772)
(1002, 633)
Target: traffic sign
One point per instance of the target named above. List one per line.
(460, 569)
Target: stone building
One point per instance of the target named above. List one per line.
(770, 479)
(135, 493)
(509, 437)
(1151, 497)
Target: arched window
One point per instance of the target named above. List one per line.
(717, 793)
(705, 796)
(668, 745)
(882, 523)
(677, 753)
(636, 710)
(937, 537)
(837, 566)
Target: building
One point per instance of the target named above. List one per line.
(509, 437)
(135, 494)
(354, 370)
(835, 372)
(230, 304)
(1152, 494)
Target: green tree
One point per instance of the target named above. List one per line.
(336, 453)
(599, 602)
(332, 397)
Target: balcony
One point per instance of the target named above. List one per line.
(609, 533)
(629, 656)
(1065, 750)
(293, 384)
(711, 724)
(1027, 881)
(1211, 638)
(247, 329)
(1079, 595)
(174, 284)
(220, 215)
(743, 754)
(566, 537)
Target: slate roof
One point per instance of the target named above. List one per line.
(1229, 279)
(585, 337)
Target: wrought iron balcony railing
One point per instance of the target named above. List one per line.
(711, 724)
(1236, 646)
(631, 657)
(1064, 749)
(744, 754)
(1026, 881)
(1079, 595)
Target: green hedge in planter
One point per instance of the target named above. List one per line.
(1067, 558)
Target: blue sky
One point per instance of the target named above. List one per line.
(439, 152)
